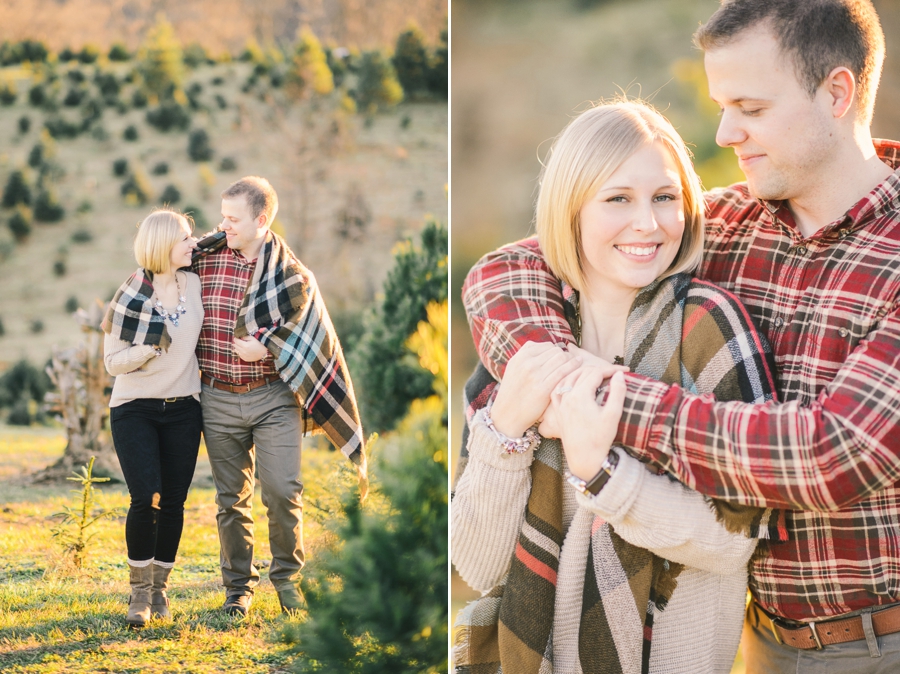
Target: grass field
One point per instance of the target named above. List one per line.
(54, 618)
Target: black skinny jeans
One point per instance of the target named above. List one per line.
(157, 444)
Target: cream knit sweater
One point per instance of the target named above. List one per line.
(700, 629)
(140, 373)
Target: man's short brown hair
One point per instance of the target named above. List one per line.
(260, 195)
(817, 35)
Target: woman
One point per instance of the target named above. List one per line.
(588, 561)
(152, 326)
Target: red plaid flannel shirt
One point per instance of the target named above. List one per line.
(830, 451)
(224, 275)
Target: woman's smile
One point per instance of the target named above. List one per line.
(632, 226)
(642, 252)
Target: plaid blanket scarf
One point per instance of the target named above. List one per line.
(679, 331)
(283, 306)
(131, 316)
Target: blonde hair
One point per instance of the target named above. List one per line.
(583, 157)
(157, 235)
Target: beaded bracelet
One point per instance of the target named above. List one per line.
(529, 440)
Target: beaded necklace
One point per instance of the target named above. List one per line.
(178, 311)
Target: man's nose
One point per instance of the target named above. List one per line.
(730, 131)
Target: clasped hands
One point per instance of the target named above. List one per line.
(558, 387)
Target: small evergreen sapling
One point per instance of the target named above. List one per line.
(72, 530)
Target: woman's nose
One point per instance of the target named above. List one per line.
(645, 219)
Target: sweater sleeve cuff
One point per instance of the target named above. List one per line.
(485, 446)
(618, 495)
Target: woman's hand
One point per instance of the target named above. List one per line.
(530, 377)
(587, 429)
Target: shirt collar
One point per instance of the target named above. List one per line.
(882, 199)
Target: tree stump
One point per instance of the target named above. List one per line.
(82, 401)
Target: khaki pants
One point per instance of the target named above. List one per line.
(243, 431)
(764, 655)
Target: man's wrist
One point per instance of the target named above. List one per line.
(593, 486)
(647, 416)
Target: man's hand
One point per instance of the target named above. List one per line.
(586, 429)
(551, 425)
(250, 349)
(530, 377)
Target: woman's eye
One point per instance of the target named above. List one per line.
(665, 197)
(618, 199)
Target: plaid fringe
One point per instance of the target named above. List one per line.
(131, 317)
(283, 306)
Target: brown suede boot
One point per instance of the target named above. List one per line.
(159, 600)
(139, 604)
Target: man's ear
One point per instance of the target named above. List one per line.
(262, 220)
(840, 87)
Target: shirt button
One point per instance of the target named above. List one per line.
(801, 250)
(843, 233)
(779, 321)
(844, 332)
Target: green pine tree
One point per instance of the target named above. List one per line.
(20, 223)
(377, 85)
(411, 61)
(17, 190)
(47, 207)
(438, 68)
(309, 73)
(160, 60)
(378, 598)
(385, 381)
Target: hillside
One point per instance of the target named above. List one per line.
(349, 188)
(219, 25)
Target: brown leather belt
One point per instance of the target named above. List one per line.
(817, 635)
(237, 388)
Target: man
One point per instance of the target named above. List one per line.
(271, 367)
(811, 244)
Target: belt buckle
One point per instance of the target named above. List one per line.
(812, 628)
(170, 400)
(245, 386)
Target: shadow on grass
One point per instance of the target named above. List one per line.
(71, 634)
